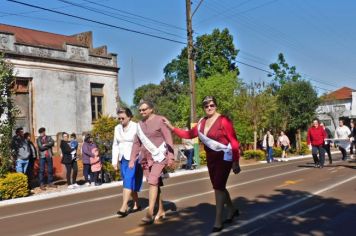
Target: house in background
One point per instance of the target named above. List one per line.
(63, 83)
(339, 104)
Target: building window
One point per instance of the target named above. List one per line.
(97, 96)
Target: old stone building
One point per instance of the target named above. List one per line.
(63, 83)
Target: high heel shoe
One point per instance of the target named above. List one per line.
(132, 210)
(229, 220)
(161, 217)
(122, 214)
(216, 229)
(148, 220)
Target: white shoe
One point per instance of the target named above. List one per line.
(70, 186)
(87, 184)
(76, 185)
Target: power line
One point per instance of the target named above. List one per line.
(106, 14)
(97, 22)
(132, 14)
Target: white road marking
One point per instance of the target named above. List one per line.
(256, 218)
(306, 211)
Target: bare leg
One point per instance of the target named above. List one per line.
(220, 199)
(135, 200)
(230, 206)
(153, 193)
(125, 199)
(160, 212)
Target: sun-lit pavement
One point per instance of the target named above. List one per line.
(284, 198)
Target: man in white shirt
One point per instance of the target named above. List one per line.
(343, 132)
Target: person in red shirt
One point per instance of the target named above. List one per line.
(215, 130)
(315, 139)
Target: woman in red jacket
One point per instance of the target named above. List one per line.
(315, 139)
(222, 150)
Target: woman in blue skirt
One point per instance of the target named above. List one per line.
(124, 136)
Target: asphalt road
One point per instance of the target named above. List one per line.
(288, 198)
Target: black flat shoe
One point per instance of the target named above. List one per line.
(229, 220)
(216, 229)
(122, 214)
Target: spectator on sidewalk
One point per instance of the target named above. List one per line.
(87, 148)
(74, 145)
(268, 143)
(343, 132)
(352, 139)
(327, 143)
(21, 151)
(188, 145)
(284, 143)
(69, 162)
(315, 139)
(45, 144)
(31, 159)
(95, 165)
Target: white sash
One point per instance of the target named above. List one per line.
(214, 145)
(158, 154)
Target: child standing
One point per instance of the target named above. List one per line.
(95, 167)
(73, 145)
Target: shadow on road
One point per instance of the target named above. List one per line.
(314, 216)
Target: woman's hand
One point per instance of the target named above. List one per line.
(236, 167)
(166, 122)
(171, 163)
(115, 167)
(131, 164)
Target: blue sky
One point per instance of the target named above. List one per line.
(318, 36)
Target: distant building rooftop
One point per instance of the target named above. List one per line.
(343, 93)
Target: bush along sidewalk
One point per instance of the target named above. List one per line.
(14, 185)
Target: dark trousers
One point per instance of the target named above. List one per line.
(87, 172)
(96, 176)
(30, 171)
(353, 145)
(343, 151)
(189, 153)
(321, 151)
(43, 162)
(327, 149)
(69, 167)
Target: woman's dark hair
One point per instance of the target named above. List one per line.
(26, 135)
(87, 137)
(209, 99)
(41, 130)
(73, 135)
(126, 110)
(148, 103)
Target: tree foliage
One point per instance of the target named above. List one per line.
(283, 73)
(214, 53)
(7, 114)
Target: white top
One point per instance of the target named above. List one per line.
(342, 132)
(123, 141)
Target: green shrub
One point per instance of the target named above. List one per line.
(277, 152)
(257, 154)
(108, 168)
(202, 156)
(13, 185)
(304, 149)
(103, 133)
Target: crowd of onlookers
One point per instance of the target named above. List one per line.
(25, 153)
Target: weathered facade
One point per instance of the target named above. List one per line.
(62, 82)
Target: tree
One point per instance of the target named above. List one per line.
(283, 73)
(297, 102)
(214, 54)
(7, 114)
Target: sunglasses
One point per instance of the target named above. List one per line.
(211, 106)
(121, 118)
(143, 109)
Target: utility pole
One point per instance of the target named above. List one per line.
(191, 69)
